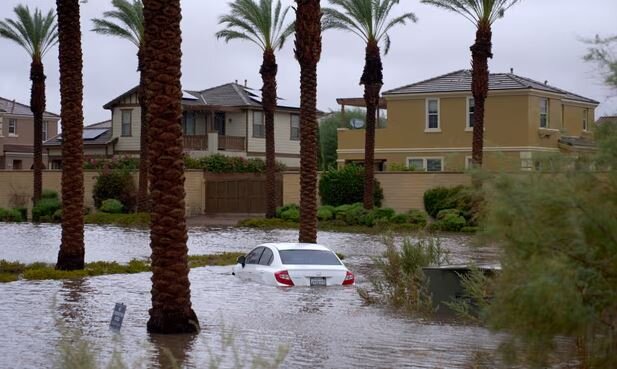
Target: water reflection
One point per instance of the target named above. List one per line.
(171, 351)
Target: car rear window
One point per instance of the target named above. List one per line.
(308, 257)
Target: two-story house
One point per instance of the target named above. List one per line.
(226, 119)
(430, 124)
(17, 134)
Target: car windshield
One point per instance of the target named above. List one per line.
(308, 257)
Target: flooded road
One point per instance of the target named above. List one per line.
(321, 328)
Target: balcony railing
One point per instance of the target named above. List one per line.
(226, 143)
(232, 143)
(196, 143)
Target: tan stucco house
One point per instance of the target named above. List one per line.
(226, 119)
(429, 126)
(17, 134)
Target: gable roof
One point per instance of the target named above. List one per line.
(460, 81)
(16, 108)
(94, 134)
(607, 119)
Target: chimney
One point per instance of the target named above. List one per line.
(236, 81)
(245, 83)
(13, 107)
(546, 82)
(511, 70)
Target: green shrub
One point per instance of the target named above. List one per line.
(355, 215)
(465, 199)
(112, 206)
(291, 215)
(124, 220)
(439, 198)
(57, 216)
(450, 220)
(325, 213)
(400, 219)
(45, 209)
(346, 186)
(118, 185)
(116, 163)
(262, 223)
(340, 211)
(417, 217)
(218, 163)
(10, 215)
(383, 213)
(286, 207)
(49, 194)
(23, 212)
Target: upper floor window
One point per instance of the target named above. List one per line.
(188, 123)
(127, 123)
(471, 108)
(295, 127)
(45, 130)
(544, 113)
(12, 127)
(432, 115)
(259, 129)
(585, 119)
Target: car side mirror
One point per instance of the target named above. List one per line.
(241, 260)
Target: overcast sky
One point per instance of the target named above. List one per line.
(540, 39)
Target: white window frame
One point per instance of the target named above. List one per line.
(426, 127)
(263, 124)
(468, 125)
(123, 124)
(12, 128)
(585, 120)
(1, 128)
(45, 130)
(291, 127)
(547, 113)
(425, 162)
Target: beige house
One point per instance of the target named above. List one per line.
(226, 119)
(430, 124)
(98, 144)
(17, 134)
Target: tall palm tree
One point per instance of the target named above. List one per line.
(308, 53)
(265, 27)
(482, 13)
(37, 34)
(370, 20)
(171, 294)
(126, 21)
(71, 255)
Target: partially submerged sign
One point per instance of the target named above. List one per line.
(117, 317)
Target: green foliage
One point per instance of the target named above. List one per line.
(223, 259)
(112, 206)
(286, 207)
(601, 52)
(462, 198)
(400, 281)
(125, 21)
(118, 185)
(218, 163)
(45, 209)
(383, 213)
(399, 167)
(33, 31)
(10, 215)
(49, 194)
(345, 186)
(261, 223)
(328, 141)
(124, 163)
(291, 215)
(450, 220)
(417, 217)
(325, 213)
(123, 220)
(400, 219)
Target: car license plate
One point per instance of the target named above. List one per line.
(318, 281)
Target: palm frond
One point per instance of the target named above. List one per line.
(476, 11)
(33, 31)
(125, 21)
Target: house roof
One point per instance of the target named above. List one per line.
(460, 81)
(94, 134)
(16, 108)
(229, 95)
(607, 119)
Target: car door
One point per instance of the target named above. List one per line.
(263, 271)
(252, 260)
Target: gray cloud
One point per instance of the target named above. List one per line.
(540, 39)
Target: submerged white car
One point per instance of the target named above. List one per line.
(293, 264)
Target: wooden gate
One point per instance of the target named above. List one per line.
(239, 193)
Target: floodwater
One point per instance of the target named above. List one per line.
(320, 328)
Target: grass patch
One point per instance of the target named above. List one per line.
(13, 271)
(330, 225)
(123, 220)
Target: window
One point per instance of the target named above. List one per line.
(544, 113)
(585, 119)
(266, 257)
(432, 115)
(471, 107)
(253, 256)
(17, 165)
(527, 163)
(295, 127)
(45, 128)
(425, 164)
(259, 129)
(188, 124)
(308, 257)
(12, 127)
(127, 122)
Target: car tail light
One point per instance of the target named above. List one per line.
(349, 279)
(283, 277)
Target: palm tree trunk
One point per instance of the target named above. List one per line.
(142, 192)
(71, 255)
(372, 79)
(268, 75)
(308, 52)
(37, 105)
(171, 310)
(480, 52)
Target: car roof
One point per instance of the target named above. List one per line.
(295, 246)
